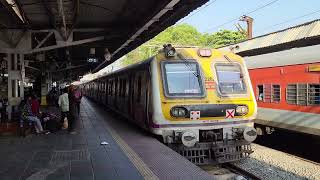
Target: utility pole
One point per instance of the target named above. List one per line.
(249, 21)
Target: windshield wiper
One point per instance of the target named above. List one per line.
(187, 64)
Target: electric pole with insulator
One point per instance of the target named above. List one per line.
(249, 21)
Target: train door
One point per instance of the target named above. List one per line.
(116, 93)
(113, 93)
(110, 92)
(126, 95)
(140, 99)
(131, 95)
(148, 111)
(106, 91)
(123, 94)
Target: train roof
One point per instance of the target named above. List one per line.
(302, 35)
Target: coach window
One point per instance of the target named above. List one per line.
(291, 94)
(260, 93)
(302, 94)
(230, 79)
(182, 79)
(297, 94)
(314, 94)
(267, 89)
(276, 93)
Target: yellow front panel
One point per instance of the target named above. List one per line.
(212, 95)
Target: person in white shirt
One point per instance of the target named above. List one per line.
(64, 105)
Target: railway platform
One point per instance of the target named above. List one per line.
(130, 153)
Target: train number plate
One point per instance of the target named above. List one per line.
(194, 115)
(230, 113)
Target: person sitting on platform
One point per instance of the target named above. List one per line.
(26, 114)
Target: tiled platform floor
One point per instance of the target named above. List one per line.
(131, 153)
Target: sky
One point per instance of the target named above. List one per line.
(276, 15)
(279, 14)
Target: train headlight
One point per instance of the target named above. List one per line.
(204, 52)
(242, 110)
(250, 134)
(169, 50)
(178, 112)
(189, 138)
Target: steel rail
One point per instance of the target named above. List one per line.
(235, 169)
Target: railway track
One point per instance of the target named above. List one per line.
(294, 144)
(228, 171)
(237, 170)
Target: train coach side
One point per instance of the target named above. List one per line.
(126, 91)
(287, 89)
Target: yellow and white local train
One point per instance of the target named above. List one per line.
(199, 100)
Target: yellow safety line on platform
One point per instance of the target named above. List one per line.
(144, 170)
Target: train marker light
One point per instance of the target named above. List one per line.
(242, 110)
(178, 112)
(204, 52)
(169, 50)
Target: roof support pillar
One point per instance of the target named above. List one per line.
(16, 77)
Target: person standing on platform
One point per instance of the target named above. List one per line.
(78, 96)
(63, 103)
(73, 114)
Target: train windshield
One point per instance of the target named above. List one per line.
(230, 79)
(182, 79)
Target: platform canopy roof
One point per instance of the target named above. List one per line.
(306, 34)
(68, 30)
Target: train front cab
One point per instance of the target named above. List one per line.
(207, 105)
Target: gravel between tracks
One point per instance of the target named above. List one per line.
(271, 164)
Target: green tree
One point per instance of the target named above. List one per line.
(182, 35)
(223, 38)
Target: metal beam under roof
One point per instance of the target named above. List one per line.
(119, 25)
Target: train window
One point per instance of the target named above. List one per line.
(230, 79)
(291, 94)
(182, 79)
(314, 94)
(260, 93)
(303, 94)
(302, 91)
(267, 93)
(276, 93)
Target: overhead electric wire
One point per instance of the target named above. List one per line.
(247, 13)
(200, 9)
(293, 19)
